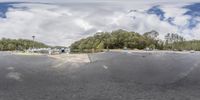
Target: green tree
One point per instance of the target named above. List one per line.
(20, 44)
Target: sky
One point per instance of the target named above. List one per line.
(61, 22)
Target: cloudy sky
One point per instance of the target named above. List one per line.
(61, 22)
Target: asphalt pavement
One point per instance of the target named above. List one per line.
(108, 76)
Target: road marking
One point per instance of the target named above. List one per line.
(14, 75)
(59, 64)
(185, 74)
(105, 67)
(196, 64)
(11, 68)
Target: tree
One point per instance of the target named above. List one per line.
(20, 44)
(152, 40)
(152, 34)
(173, 41)
(1, 46)
(118, 39)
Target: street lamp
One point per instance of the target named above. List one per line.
(33, 41)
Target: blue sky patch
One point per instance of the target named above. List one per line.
(170, 20)
(157, 11)
(194, 12)
(4, 7)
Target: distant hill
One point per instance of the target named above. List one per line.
(19, 44)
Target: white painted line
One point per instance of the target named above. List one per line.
(11, 68)
(105, 67)
(14, 75)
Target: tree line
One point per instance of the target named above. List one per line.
(19, 44)
(122, 39)
(118, 39)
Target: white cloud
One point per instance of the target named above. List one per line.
(62, 24)
(53, 25)
(83, 24)
(66, 1)
(177, 12)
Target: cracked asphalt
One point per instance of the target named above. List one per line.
(109, 76)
